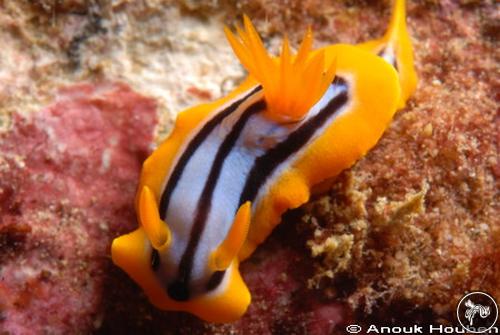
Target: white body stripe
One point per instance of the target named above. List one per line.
(258, 135)
(332, 92)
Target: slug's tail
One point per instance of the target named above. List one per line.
(396, 48)
(292, 84)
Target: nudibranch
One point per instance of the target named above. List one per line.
(216, 188)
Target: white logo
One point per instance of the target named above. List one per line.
(473, 309)
(477, 312)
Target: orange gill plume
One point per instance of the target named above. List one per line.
(292, 84)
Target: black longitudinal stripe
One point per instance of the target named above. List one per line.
(179, 289)
(197, 140)
(394, 62)
(264, 165)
